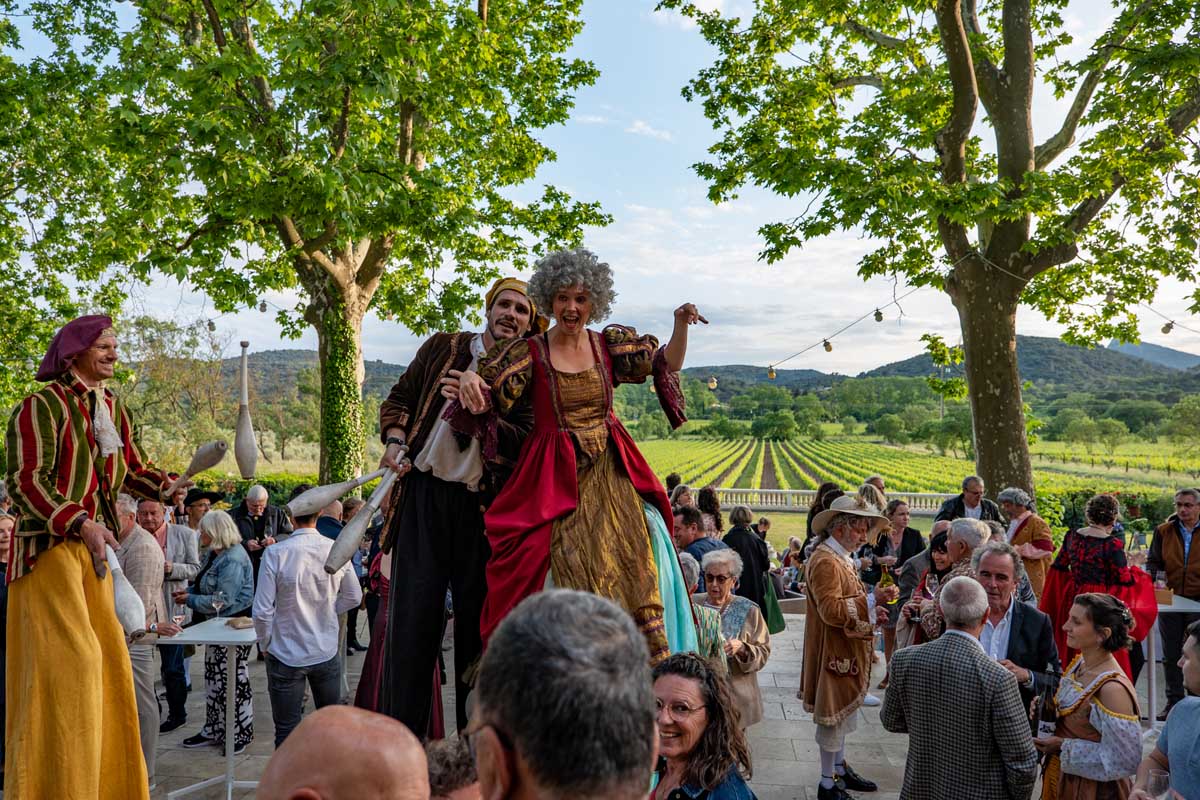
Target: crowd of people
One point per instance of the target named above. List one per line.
(608, 628)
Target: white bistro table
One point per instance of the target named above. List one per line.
(216, 632)
(1179, 605)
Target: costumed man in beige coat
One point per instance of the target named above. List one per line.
(838, 636)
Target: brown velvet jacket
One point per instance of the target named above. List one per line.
(1166, 555)
(837, 638)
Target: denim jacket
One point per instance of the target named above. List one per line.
(232, 573)
(732, 788)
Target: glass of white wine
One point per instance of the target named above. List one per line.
(1158, 784)
(218, 601)
(178, 613)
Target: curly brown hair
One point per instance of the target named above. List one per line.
(722, 746)
(709, 503)
(1106, 611)
(1102, 510)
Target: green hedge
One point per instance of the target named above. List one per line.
(278, 485)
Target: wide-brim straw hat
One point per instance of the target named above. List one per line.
(855, 506)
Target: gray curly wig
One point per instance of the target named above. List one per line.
(578, 267)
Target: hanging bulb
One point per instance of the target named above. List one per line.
(878, 315)
(1170, 326)
(712, 382)
(828, 347)
(1110, 296)
(770, 373)
(262, 306)
(212, 326)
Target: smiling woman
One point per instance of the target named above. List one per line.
(602, 518)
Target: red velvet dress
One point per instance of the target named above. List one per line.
(544, 487)
(1093, 564)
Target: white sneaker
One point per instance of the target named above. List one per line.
(870, 701)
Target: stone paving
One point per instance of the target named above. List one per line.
(786, 764)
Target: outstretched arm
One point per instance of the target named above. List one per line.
(676, 349)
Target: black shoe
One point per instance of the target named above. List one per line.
(199, 740)
(852, 780)
(350, 650)
(171, 723)
(355, 646)
(1162, 715)
(836, 793)
(238, 749)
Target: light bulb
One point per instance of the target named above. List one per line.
(262, 306)
(878, 315)
(828, 347)
(212, 326)
(712, 382)
(1170, 326)
(1110, 296)
(770, 373)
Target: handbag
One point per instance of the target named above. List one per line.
(775, 621)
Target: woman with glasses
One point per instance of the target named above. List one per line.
(747, 641)
(1092, 559)
(703, 753)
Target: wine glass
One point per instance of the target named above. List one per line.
(931, 585)
(178, 613)
(218, 601)
(1158, 784)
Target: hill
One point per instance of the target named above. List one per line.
(732, 375)
(1051, 362)
(1157, 354)
(271, 369)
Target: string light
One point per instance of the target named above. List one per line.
(878, 315)
(770, 373)
(1170, 326)
(212, 326)
(828, 346)
(262, 306)
(712, 382)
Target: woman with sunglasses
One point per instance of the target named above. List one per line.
(747, 641)
(703, 752)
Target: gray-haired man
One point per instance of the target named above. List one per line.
(983, 750)
(564, 703)
(963, 539)
(260, 523)
(970, 503)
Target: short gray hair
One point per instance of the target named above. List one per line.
(741, 515)
(994, 548)
(967, 481)
(567, 677)
(690, 568)
(1018, 497)
(221, 528)
(257, 492)
(963, 601)
(578, 267)
(1195, 494)
(126, 504)
(968, 530)
(724, 555)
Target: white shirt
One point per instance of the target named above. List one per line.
(1016, 523)
(441, 454)
(964, 634)
(836, 547)
(994, 638)
(296, 604)
(973, 513)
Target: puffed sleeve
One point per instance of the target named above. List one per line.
(1116, 755)
(507, 370)
(632, 355)
(635, 358)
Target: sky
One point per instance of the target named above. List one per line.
(630, 145)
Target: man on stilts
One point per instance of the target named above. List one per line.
(72, 728)
(435, 530)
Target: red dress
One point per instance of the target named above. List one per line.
(1094, 564)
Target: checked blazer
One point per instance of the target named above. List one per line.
(969, 736)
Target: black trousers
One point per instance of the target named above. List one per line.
(438, 542)
(1173, 628)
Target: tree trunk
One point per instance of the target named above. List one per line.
(338, 321)
(987, 312)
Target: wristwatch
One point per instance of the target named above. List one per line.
(394, 440)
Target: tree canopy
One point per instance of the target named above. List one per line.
(913, 123)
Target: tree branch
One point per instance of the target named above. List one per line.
(859, 80)
(214, 20)
(1018, 55)
(1121, 30)
(342, 130)
(375, 262)
(245, 35)
(987, 76)
(483, 11)
(875, 36)
(1177, 122)
(951, 141)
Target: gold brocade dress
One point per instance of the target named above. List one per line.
(586, 550)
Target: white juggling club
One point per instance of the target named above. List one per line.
(245, 445)
(131, 611)
(348, 540)
(206, 456)
(316, 498)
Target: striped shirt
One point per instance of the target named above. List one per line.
(55, 473)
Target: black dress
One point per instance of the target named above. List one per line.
(755, 563)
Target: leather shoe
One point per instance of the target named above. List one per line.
(169, 724)
(1162, 715)
(852, 780)
(836, 793)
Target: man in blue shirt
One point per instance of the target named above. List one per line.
(1178, 748)
(690, 537)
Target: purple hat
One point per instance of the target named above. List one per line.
(71, 340)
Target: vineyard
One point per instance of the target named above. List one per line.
(804, 464)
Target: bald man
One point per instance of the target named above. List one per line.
(324, 756)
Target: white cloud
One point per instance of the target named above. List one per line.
(642, 128)
(592, 119)
(672, 18)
